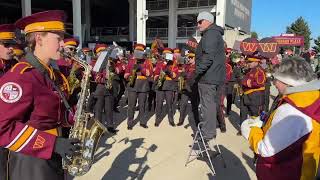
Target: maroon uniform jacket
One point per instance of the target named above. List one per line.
(254, 80)
(5, 65)
(170, 83)
(31, 110)
(142, 80)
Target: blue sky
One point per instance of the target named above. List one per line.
(271, 17)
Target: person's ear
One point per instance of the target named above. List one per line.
(38, 39)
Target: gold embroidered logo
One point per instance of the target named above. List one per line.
(251, 47)
(268, 47)
(39, 142)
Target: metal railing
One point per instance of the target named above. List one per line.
(196, 3)
(187, 31)
(158, 5)
(181, 32)
(109, 31)
(157, 32)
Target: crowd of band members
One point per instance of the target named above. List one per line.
(150, 79)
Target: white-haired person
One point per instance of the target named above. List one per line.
(288, 143)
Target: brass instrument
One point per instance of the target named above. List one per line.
(110, 80)
(110, 76)
(161, 79)
(181, 83)
(239, 90)
(73, 81)
(132, 77)
(85, 128)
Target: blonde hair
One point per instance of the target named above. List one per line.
(31, 40)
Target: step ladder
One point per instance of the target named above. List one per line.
(203, 149)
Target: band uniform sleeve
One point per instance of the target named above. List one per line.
(174, 72)
(15, 103)
(128, 69)
(247, 80)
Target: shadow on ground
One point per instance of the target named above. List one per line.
(120, 168)
(234, 119)
(227, 166)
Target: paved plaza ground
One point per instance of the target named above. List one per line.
(160, 153)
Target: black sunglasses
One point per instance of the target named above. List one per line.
(7, 45)
(200, 22)
(72, 48)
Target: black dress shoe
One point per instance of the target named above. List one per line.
(180, 124)
(112, 130)
(172, 124)
(156, 124)
(223, 129)
(144, 126)
(129, 127)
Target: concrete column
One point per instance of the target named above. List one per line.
(132, 19)
(87, 9)
(172, 26)
(220, 13)
(76, 7)
(142, 16)
(26, 8)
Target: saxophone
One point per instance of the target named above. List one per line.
(85, 128)
(181, 83)
(72, 79)
(110, 76)
(132, 77)
(161, 79)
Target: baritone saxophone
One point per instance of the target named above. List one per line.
(86, 129)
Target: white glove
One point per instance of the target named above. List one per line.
(247, 124)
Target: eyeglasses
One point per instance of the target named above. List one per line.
(200, 22)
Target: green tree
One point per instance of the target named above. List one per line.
(317, 45)
(254, 34)
(301, 28)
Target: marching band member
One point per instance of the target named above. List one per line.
(253, 85)
(104, 92)
(7, 42)
(288, 143)
(137, 73)
(18, 52)
(165, 75)
(66, 64)
(224, 90)
(118, 82)
(31, 96)
(186, 94)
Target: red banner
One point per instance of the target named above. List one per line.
(289, 40)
